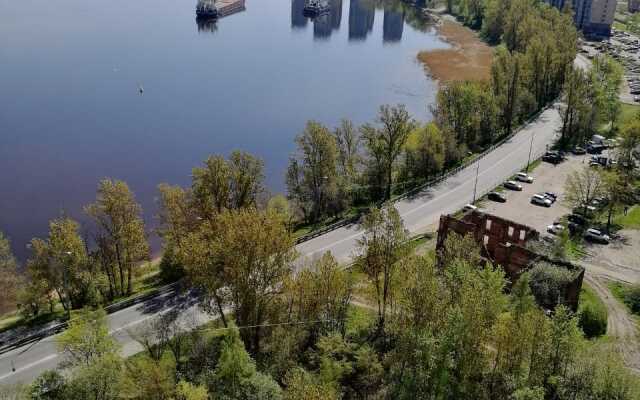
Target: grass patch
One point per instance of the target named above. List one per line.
(629, 221)
(627, 113)
(592, 313)
(359, 319)
(624, 293)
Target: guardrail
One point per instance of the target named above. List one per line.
(435, 181)
(110, 309)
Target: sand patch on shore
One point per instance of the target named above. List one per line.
(470, 57)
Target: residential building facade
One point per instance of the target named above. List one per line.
(592, 17)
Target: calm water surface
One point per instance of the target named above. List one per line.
(71, 113)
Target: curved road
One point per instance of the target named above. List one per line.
(419, 212)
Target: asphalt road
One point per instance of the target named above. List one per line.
(423, 210)
(419, 213)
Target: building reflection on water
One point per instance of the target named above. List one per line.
(361, 17)
(206, 25)
(392, 25)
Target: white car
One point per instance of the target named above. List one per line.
(522, 177)
(555, 228)
(596, 236)
(469, 207)
(540, 200)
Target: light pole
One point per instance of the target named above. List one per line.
(530, 148)
(475, 184)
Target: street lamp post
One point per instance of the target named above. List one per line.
(475, 184)
(530, 148)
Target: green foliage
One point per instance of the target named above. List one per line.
(188, 391)
(50, 385)
(548, 283)
(302, 385)
(236, 377)
(9, 281)
(86, 339)
(121, 237)
(149, 379)
(592, 313)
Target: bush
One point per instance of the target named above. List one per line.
(593, 320)
(548, 284)
(170, 269)
(632, 298)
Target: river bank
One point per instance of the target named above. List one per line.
(469, 58)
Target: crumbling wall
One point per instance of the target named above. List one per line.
(502, 242)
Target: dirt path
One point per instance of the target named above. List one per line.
(620, 324)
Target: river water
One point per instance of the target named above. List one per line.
(71, 111)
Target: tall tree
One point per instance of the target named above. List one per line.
(582, 187)
(246, 254)
(505, 81)
(222, 184)
(385, 143)
(425, 152)
(86, 339)
(121, 238)
(312, 176)
(381, 249)
(9, 273)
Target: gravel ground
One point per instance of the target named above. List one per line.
(547, 178)
(618, 261)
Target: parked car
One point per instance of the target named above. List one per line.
(495, 196)
(552, 157)
(551, 196)
(469, 207)
(555, 228)
(577, 219)
(540, 200)
(524, 177)
(595, 149)
(578, 150)
(594, 235)
(513, 185)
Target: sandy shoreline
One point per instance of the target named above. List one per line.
(469, 58)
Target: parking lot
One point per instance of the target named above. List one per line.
(625, 48)
(547, 178)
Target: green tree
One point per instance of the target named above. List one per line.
(381, 249)
(608, 75)
(506, 72)
(425, 152)
(320, 293)
(236, 377)
(189, 391)
(629, 145)
(50, 385)
(98, 380)
(384, 144)
(86, 339)
(121, 239)
(582, 187)
(9, 273)
(302, 385)
(227, 184)
(248, 253)
(149, 379)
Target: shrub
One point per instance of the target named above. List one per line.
(548, 283)
(632, 298)
(592, 318)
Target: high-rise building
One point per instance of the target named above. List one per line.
(634, 6)
(592, 17)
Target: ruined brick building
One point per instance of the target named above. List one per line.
(504, 243)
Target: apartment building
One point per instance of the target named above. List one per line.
(592, 17)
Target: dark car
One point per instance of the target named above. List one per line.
(577, 219)
(552, 157)
(578, 151)
(595, 149)
(551, 196)
(495, 196)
